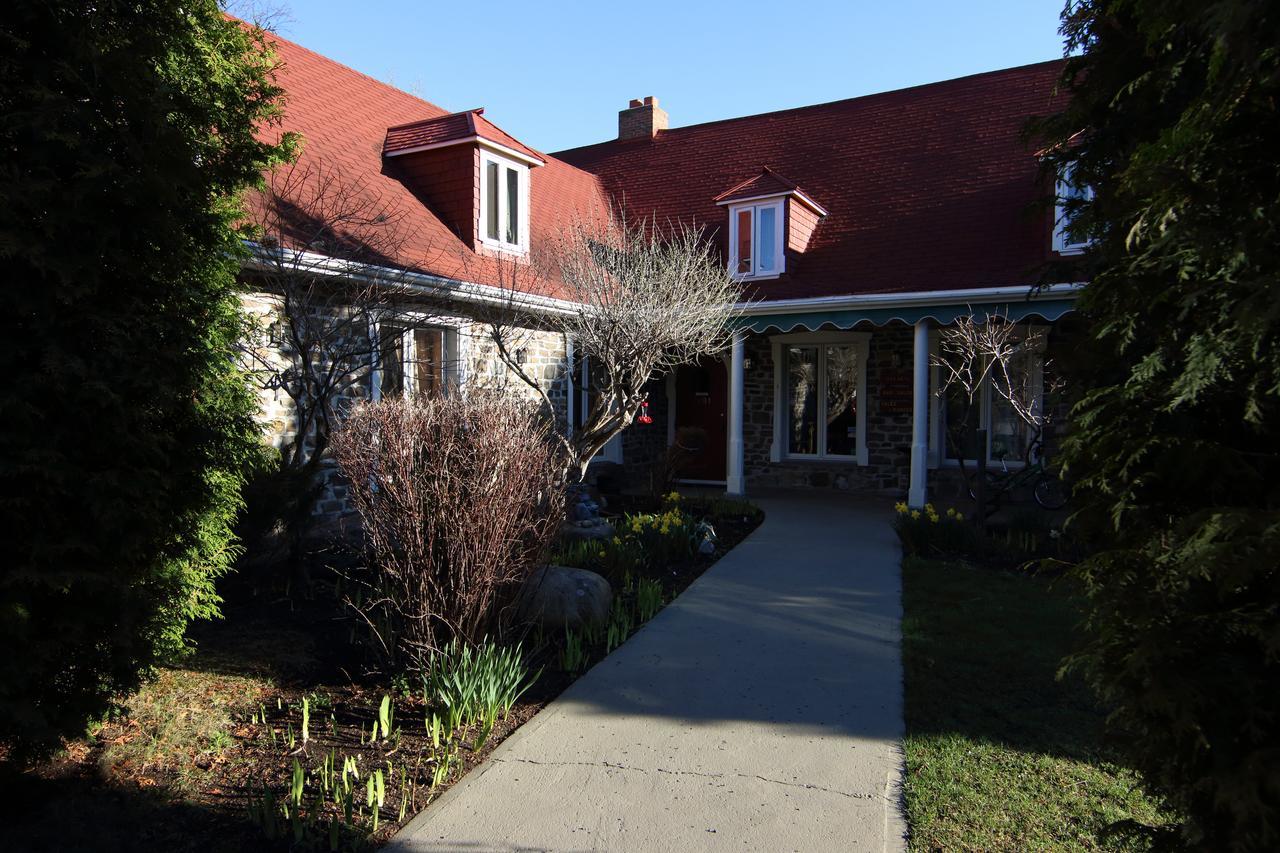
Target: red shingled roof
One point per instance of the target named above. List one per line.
(455, 127)
(344, 117)
(928, 188)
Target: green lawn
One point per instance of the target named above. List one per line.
(1000, 754)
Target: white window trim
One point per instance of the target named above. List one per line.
(1062, 189)
(778, 451)
(454, 363)
(939, 433)
(612, 451)
(779, 203)
(522, 171)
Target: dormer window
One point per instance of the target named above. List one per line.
(471, 173)
(504, 202)
(769, 216)
(756, 239)
(1070, 196)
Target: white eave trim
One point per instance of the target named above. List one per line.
(467, 140)
(420, 284)
(1025, 292)
(808, 202)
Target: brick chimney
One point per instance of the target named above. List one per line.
(642, 119)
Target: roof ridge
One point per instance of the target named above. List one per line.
(817, 106)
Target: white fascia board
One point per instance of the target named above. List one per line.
(895, 300)
(479, 140)
(423, 284)
(734, 202)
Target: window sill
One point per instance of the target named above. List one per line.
(771, 277)
(992, 464)
(813, 458)
(499, 246)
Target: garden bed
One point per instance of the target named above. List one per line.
(194, 753)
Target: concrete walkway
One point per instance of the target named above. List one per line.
(762, 710)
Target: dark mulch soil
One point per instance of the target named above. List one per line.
(178, 766)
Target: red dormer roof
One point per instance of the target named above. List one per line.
(455, 129)
(764, 185)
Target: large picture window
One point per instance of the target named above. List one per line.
(821, 396)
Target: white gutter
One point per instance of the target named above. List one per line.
(480, 140)
(1026, 293)
(427, 284)
(422, 284)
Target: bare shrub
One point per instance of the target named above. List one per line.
(460, 502)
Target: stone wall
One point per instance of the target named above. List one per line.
(474, 363)
(544, 360)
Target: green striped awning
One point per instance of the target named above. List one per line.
(1046, 309)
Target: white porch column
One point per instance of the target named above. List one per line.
(734, 483)
(917, 491)
(571, 403)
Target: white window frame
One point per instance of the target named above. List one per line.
(581, 401)
(861, 341)
(1062, 191)
(779, 239)
(985, 397)
(521, 246)
(454, 363)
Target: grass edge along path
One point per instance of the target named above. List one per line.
(1002, 755)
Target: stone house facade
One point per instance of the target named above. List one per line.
(858, 230)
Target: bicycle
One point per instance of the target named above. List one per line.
(1049, 491)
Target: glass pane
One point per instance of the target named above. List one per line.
(802, 400)
(961, 422)
(391, 362)
(513, 207)
(1009, 432)
(743, 265)
(767, 239)
(491, 199)
(842, 400)
(428, 353)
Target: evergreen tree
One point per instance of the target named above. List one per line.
(128, 131)
(1174, 121)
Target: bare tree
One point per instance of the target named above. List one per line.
(645, 301)
(333, 303)
(975, 352)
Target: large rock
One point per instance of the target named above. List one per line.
(555, 596)
(596, 529)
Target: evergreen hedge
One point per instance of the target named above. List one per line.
(128, 132)
(1174, 121)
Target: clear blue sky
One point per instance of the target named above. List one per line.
(555, 74)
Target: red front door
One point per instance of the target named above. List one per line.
(702, 397)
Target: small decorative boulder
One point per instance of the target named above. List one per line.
(592, 529)
(556, 596)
